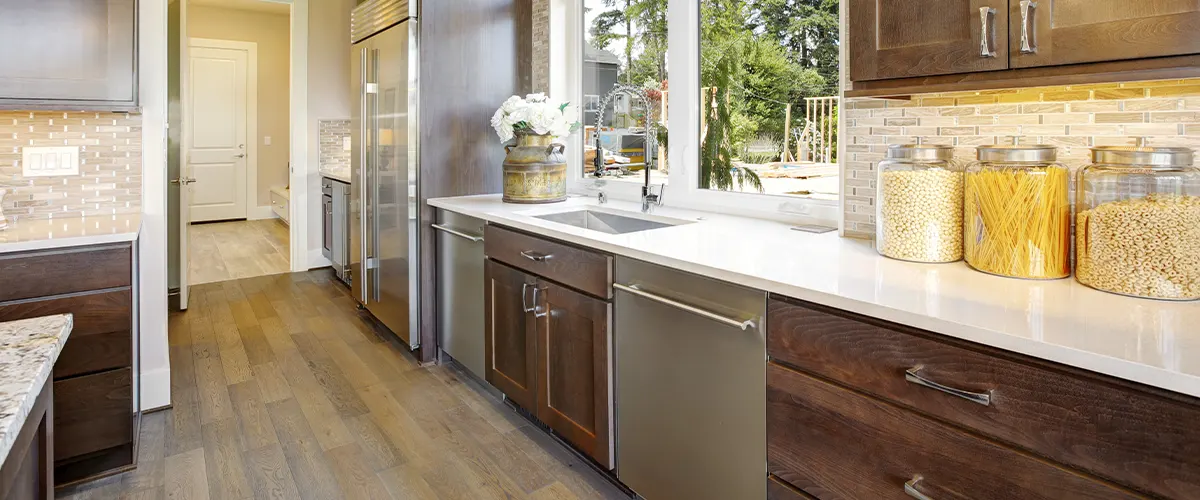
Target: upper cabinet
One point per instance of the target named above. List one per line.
(910, 46)
(73, 54)
(1050, 33)
(905, 38)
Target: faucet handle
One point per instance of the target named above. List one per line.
(655, 198)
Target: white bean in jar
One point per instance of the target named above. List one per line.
(921, 215)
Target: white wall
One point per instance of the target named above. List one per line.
(328, 97)
(155, 363)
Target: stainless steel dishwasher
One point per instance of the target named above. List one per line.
(691, 385)
(460, 294)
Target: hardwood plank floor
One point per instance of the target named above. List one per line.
(281, 389)
(221, 251)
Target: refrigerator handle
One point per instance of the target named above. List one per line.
(375, 151)
(362, 164)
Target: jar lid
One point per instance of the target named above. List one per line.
(1019, 153)
(1134, 155)
(920, 152)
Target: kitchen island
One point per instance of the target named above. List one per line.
(28, 350)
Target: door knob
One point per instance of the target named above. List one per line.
(242, 155)
(183, 181)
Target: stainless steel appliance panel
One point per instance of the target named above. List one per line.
(341, 235)
(383, 251)
(327, 230)
(691, 385)
(460, 294)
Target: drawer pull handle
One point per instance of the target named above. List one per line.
(535, 256)
(910, 489)
(743, 325)
(913, 375)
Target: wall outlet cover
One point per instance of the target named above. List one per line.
(346, 144)
(266, 140)
(49, 161)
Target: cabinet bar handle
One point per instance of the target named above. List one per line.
(535, 256)
(910, 489)
(987, 32)
(913, 375)
(460, 234)
(1028, 44)
(525, 294)
(743, 325)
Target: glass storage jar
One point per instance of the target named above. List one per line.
(1137, 223)
(919, 216)
(1017, 212)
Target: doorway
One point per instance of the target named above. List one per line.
(236, 140)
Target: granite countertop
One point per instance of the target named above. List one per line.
(341, 174)
(1152, 342)
(41, 234)
(28, 350)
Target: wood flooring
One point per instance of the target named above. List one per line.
(222, 251)
(281, 389)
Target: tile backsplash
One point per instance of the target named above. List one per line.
(332, 133)
(1074, 118)
(110, 170)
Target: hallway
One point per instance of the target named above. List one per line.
(282, 390)
(221, 251)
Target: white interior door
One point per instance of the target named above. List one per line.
(217, 123)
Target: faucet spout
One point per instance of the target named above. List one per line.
(649, 198)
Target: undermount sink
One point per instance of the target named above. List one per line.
(608, 222)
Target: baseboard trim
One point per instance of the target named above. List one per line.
(156, 409)
(259, 213)
(156, 388)
(316, 259)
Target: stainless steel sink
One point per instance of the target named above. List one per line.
(610, 223)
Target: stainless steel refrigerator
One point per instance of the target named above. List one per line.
(383, 242)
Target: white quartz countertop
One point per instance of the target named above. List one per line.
(25, 235)
(28, 350)
(1156, 343)
(336, 173)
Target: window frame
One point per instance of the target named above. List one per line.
(683, 120)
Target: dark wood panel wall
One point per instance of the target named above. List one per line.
(474, 55)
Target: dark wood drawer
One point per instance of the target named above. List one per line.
(1144, 438)
(835, 443)
(585, 270)
(55, 272)
(92, 413)
(101, 337)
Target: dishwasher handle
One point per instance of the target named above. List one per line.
(460, 234)
(633, 289)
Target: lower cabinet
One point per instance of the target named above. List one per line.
(548, 348)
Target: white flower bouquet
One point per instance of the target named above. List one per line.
(534, 114)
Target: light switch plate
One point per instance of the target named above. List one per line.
(266, 140)
(345, 144)
(49, 161)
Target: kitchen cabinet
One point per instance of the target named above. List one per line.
(77, 54)
(903, 38)
(28, 471)
(548, 341)
(899, 47)
(1052, 33)
(573, 377)
(858, 406)
(96, 402)
(510, 343)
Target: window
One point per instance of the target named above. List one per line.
(769, 86)
(751, 105)
(624, 65)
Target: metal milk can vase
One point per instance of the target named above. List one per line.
(535, 170)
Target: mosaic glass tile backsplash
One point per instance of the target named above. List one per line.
(1074, 118)
(110, 170)
(332, 135)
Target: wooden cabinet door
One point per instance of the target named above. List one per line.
(575, 369)
(510, 342)
(1051, 33)
(907, 38)
(68, 52)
